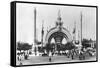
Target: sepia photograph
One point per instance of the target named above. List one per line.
(49, 34)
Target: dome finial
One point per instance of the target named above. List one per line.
(59, 15)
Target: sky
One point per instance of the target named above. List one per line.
(48, 14)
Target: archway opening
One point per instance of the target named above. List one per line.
(64, 41)
(57, 41)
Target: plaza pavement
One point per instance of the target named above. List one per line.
(55, 59)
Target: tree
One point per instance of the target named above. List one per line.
(69, 46)
(23, 46)
(85, 43)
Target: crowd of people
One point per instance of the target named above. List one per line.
(76, 51)
(22, 55)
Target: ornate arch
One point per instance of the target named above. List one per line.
(54, 30)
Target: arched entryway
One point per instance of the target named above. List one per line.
(57, 38)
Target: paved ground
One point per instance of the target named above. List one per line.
(55, 59)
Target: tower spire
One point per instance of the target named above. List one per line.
(35, 25)
(81, 27)
(35, 49)
(42, 33)
(74, 32)
(59, 15)
(59, 22)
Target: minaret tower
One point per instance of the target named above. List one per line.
(81, 29)
(35, 49)
(35, 25)
(74, 32)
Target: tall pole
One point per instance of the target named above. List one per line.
(35, 25)
(42, 33)
(78, 35)
(81, 29)
(74, 32)
(35, 29)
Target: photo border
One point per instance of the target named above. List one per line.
(13, 31)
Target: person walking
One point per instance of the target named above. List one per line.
(50, 54)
